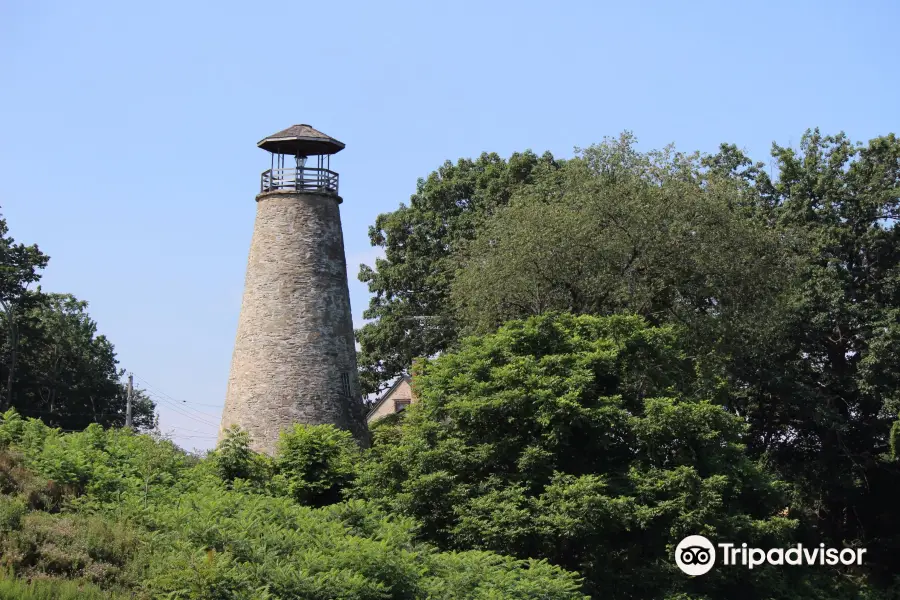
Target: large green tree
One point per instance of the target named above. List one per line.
(55, 366)
(69, 375)
(410, 307)
(823, 394)
(617, 230)
(574, 439)
(784, 285)
(20, 266)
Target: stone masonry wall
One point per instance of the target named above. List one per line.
(294, 356)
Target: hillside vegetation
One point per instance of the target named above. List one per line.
(135, 517)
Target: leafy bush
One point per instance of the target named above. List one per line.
(222, 544)
(37, 492)
(233, 459)
(315, 463)
(574, 439)
(11, 512)
(140, 518)
(86, 547)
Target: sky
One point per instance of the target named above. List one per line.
(128, 130)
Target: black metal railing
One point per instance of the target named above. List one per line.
(299, 179)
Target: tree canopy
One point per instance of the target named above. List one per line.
(779, 283)
(56, 366)
(410, 305)
(572, 439)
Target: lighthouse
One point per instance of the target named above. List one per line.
(294, 355)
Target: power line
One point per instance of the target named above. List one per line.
(181, 410)
(183, 404)
(191, 430)
(169, 396)
(197, 413)
(183, 413)
(202, 404)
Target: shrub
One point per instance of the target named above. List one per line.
(315, 463)
(223, 544)
(37, 492)
(11, 512)
(234, 460)
(92, 548)
(569, 438)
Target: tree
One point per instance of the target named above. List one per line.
(410, 285)
(19, 268)
(617, 230)
(785, 290)
(823, 394)
(233, 459)
(69, 376)
(573, 438)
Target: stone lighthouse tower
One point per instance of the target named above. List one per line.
(295, 356)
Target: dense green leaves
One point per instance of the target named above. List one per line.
(821, 390)
(140, 516)
(783, 284)
(620, 231)
(411, 284)
(567, 438)
(41, 589)
(20, 266)
(316, 463)
(56, 366)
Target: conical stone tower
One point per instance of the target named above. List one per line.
(295, 357)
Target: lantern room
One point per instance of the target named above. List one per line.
(300, 161)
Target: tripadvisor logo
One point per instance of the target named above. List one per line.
(696, 555)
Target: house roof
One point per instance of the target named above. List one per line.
(388, 393)
(301, 139)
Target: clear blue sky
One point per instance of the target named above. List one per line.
(128, 130)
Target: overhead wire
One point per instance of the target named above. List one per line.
(160, 392)
(179, 410)
(180, 406)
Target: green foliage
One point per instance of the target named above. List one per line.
(138, 518)
(55, 366)
(566, 438)
(617, 230)
(101, 464)
(51, 589)
(20, 266)
(80, 547)
(784, 283)
(822, 392)
(230, 545)
(315, 463)
(411, 284)
(233, 459)
(11, 512)
(68, 374)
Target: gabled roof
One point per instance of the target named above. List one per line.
(301, 139)
(388, 393)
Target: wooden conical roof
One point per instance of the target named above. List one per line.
(301, 139)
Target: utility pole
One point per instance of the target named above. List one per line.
(129, 399)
